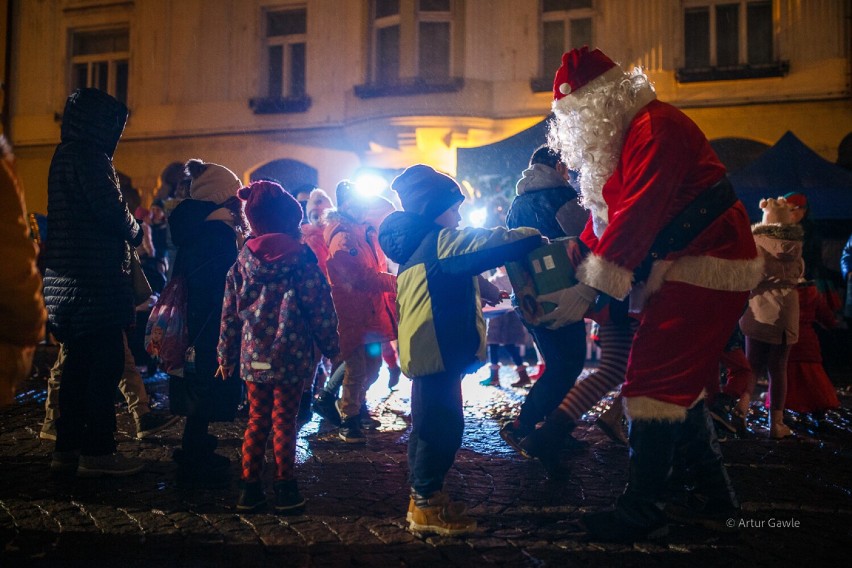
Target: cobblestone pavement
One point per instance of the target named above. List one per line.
(357, 498)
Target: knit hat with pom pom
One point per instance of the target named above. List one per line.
(211, 182)
(270, 209)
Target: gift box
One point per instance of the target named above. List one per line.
(546, 269)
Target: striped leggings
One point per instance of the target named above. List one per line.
(271, 407)
(616, 339)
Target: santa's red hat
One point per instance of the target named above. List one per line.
(579, 67)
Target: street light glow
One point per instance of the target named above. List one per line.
(477, 217)
(369, 184)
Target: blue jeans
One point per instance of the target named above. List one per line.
(437, 424)
(564, 352)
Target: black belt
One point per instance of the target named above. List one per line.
(688, 224)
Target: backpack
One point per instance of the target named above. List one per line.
(166, 336)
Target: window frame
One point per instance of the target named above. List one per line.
(433, 17)
(410, 80)
(544, 81)
(564, 16)
(743, 68)
(286, 101)
(112, 59)
(376, 25)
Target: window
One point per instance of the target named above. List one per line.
(434, 40)
(286, 38)
(386, 36)
(99, 59)
(412, 47)
(565, 24)
(724, 39)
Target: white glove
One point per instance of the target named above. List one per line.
(571, 305)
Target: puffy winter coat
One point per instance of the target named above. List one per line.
(207, 248)
(87, 283)
(277, 304)
(441, 328)
(361, 285)
(545, 201)
(313, 236)
(773, 306)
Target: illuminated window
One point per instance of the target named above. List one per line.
(286, 39)
(99, 59)
(565, 24)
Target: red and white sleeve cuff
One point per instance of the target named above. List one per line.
(606, 276)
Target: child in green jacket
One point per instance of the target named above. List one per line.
(441, 327)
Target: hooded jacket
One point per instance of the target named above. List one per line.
(313, 236)
(773, 306)
(441, 327)
(87, 284)
(545, 201)
(207, 248)
(277, 305)
(361, 285)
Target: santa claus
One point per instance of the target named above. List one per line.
(667, 230)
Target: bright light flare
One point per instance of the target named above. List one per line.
(477, 217)
(370, 184)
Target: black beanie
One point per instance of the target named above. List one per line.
(425, 191)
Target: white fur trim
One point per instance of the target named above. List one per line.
(707, 272)
(606, 276)
(647, 408)
(609, 76)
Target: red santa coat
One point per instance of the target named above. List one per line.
(695, 295)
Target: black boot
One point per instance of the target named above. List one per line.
(325, 405)
(722, 412)
(638, 514)
(288, 500)
(198, 463)
(710, 499)
(350, 431)
(252, 497)
(546, 443)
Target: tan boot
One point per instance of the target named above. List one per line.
(439, 515)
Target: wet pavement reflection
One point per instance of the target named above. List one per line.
(357, 496)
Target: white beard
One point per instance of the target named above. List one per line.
(588, 132)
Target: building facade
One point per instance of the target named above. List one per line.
(317, 90)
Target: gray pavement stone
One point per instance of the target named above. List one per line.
(357, 498)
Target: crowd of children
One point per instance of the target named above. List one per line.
(279, 294)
